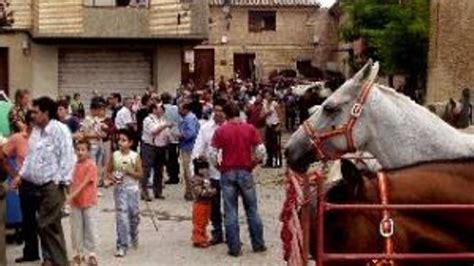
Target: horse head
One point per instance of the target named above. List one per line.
(346, 187)
(326, 130)
(453, 112)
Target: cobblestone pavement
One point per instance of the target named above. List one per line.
(171, 245)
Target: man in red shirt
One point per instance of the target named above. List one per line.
(241, 147)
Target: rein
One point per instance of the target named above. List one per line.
(386, 227)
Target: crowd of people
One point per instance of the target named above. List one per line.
(65, 151)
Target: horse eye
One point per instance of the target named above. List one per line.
(331, 109)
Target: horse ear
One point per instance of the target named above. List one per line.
(374, 72)
(314, 109)
(363, 72)
(452, 102)
(367, 74)
(350, 173)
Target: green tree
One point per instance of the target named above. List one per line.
(396, 33)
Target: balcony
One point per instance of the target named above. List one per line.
(161, 19)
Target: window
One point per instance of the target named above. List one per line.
(262, 21)
(120, 3)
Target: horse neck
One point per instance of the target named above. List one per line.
(402, 133)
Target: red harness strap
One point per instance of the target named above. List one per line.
(317, 139)
(386, 228)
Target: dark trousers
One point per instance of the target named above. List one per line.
(51, 202)
(290, 119)
(3, 216)
(29, 200)
(172, 163)
(216, 213)
(153, 157)
(272, 145)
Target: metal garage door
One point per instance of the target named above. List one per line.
(104, 70)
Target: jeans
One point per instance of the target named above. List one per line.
(127, 216)
(97, 154)
(233, 184)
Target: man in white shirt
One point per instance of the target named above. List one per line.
(202, 150)
(172, 116)
(272, 123)
(126, 120)
(155, 139)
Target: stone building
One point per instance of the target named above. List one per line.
(66, 46)
(255, 37)
(451, 55)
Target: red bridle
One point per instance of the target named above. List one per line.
(317, 139)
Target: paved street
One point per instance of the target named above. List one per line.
(172, 244)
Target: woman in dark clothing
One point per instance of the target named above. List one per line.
(72, 122)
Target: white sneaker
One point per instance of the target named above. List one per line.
(120, 253)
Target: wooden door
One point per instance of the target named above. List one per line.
(4, 70)
(244, 65)
(203, 67)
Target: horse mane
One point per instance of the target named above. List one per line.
(402, 99)
(410, 134)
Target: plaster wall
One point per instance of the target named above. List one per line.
(19, 63)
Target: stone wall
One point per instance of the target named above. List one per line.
(274, 50)
(451, 55)
(267, 58)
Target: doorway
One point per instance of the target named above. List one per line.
(244, 65)
(204, 67)
(4, 70)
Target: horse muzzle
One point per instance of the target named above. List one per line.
(299, 158)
